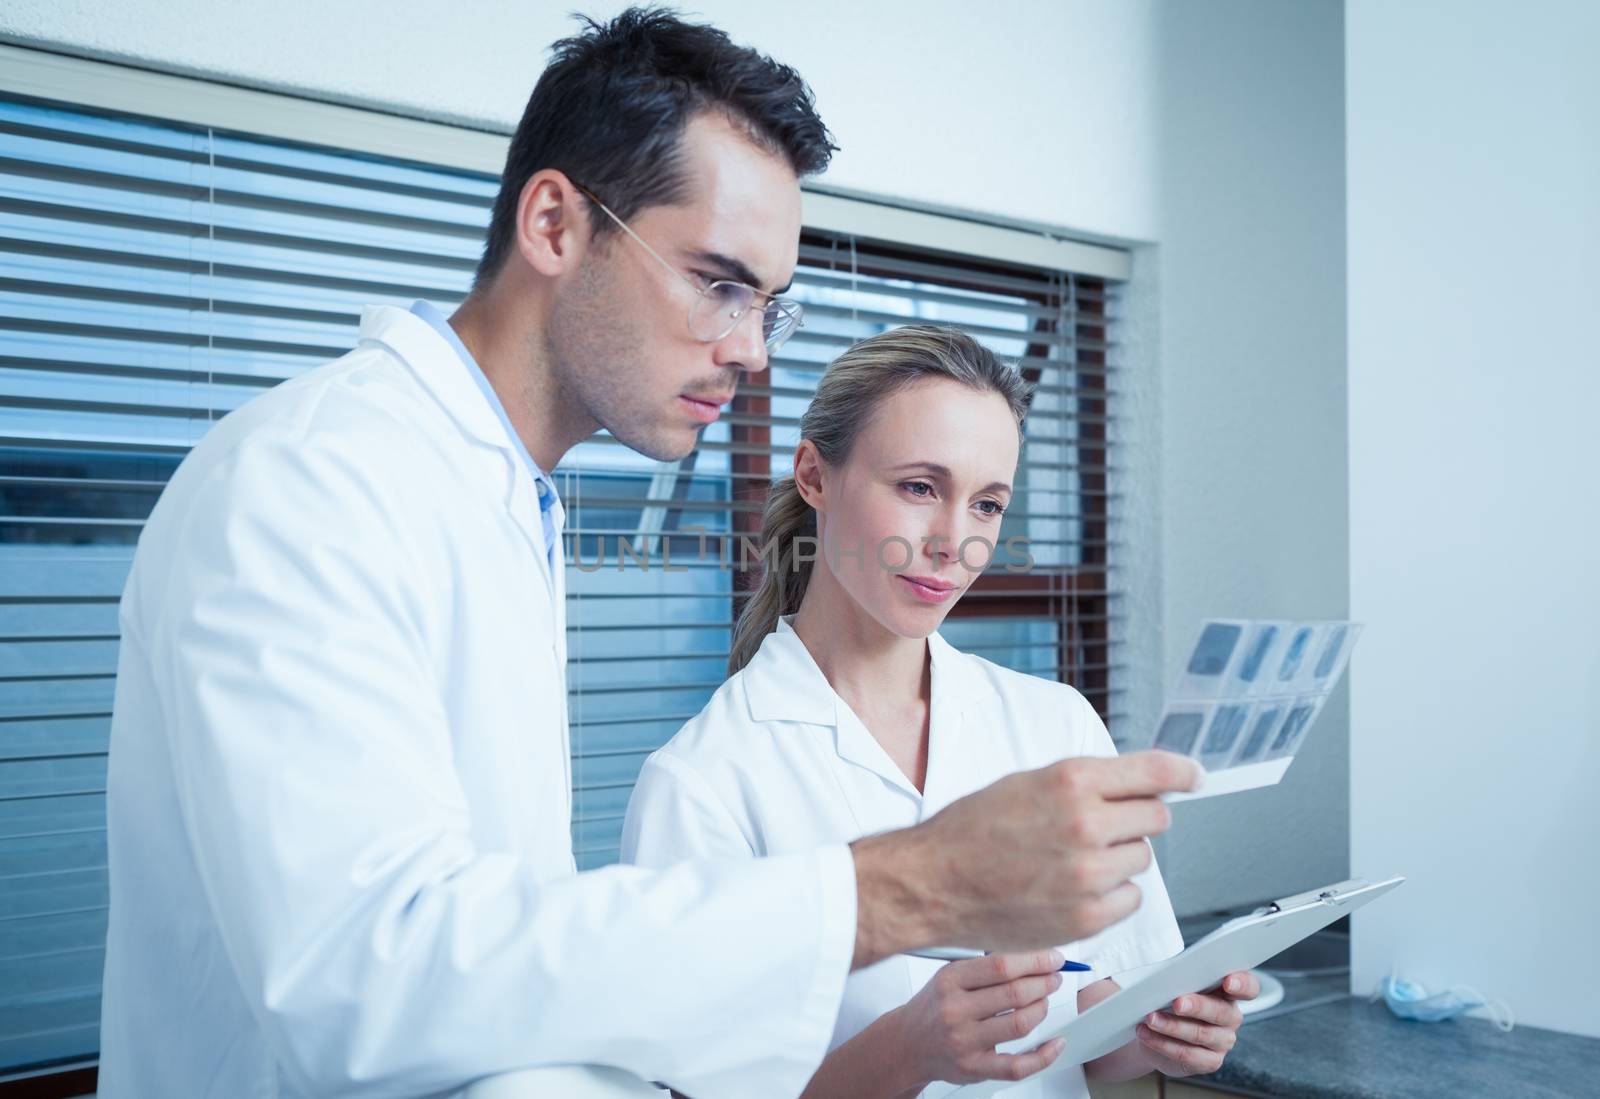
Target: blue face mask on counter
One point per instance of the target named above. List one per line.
(1409, 1000)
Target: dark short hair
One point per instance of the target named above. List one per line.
(611, 108)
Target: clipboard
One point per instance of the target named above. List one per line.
(563, 1082)
(1241, 943)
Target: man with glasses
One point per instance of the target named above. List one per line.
(339, 782)
(719, 305)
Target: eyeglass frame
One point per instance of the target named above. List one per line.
(704, 294)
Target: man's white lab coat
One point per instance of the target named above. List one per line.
(339, 786)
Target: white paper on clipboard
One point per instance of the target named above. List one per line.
(1239, 944)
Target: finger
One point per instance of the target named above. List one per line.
(1181, 1058)
(1009, 1027)
(997, 969)
(1241, 986)
(1133, 819)
(1094, 914)
(1193, 1032)
(1096, 873)
(984, 1002)
(1124, 860)
(1145, 774)
(1218, 1010)
(1018, 1066)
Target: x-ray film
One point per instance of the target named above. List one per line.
(1227, 725)
(1180, 731)
(1217, 649)
(1264, 725)
(1294, 657)
(1302, 712)
(1259, 659)
(1338, 638)
(1247, 695)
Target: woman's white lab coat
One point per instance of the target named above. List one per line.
(339, 789)
(778, 763)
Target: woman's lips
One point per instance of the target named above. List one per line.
(927, 588)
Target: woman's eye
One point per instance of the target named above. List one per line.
(991, 508)
(918, 488)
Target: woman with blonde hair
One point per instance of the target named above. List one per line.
(846, 714)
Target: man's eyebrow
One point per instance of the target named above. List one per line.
(734, 269)
(943, 471)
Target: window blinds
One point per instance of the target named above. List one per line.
(649, 646)
(157, 276)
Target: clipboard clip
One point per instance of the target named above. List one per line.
(1333, 894)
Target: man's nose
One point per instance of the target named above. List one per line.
(746, 346)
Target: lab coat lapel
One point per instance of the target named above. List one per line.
(560, 609)
(956, 699)
(560, 578)
(855, 744)
(522, 503)
(783, 683)
(961, 697)
(445, 376)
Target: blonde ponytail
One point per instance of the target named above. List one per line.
(786, 520)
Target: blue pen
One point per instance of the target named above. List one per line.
(956, 954)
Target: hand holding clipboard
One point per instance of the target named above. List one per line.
(1239, 944)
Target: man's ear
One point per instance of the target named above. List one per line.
(808, 473)
(552, 226)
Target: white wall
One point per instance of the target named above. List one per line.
(1474, 192)
(1252, 516)
(1207, 132)
(1064, 125)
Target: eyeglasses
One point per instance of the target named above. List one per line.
(719, 307)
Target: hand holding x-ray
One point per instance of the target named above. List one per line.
(1247, 695)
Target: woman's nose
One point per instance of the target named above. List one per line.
(942, 542)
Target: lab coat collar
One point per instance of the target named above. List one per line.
(783, 683)
(439, 368)
(441, 371)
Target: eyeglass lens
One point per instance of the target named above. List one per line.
(725, 303)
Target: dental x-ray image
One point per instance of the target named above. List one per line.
(1261, 730)
(1248, 694)
(1337, 642)
(1214, 649)
(1180, 731)
(1257, 652)
(1217, 650)
(1222, 736)
(1297, 651)
(1330, 650)
(1294, 727)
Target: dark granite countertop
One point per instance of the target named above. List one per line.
(1353, 1049)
